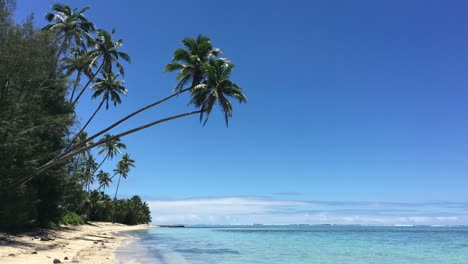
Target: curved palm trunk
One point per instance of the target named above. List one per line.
(87, 84)
(89, 120)
(77, 81)
(62, 48)
(121, 121)
(63, 158)
(100, 164)
(131, 131)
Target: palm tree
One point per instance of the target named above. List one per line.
(110, 89)
(111, 147)
(123, 168)
(104, 179)
(106, 50)
(80, 62)
(90, 167)
(191, 60)
(69, 25)
(217, 88)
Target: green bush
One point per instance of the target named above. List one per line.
(71, 219)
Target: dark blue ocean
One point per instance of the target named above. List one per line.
(298, 244)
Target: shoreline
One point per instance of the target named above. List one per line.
(95, 243)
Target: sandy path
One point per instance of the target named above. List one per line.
(93, 244)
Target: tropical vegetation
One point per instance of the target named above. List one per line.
(50, 167)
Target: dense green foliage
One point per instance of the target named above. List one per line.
(36, 124)
(34, 120)
(71, 219)
(126, 211)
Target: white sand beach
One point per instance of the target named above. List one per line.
(87, 244)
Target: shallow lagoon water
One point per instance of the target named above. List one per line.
(299, 244)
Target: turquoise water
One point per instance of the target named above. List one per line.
(299, 244)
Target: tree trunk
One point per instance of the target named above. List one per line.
(70, 155)
(115, 197)
(118, 184)
(63, 158)
(75, 85)
(87, 84)
(121, 121)
(100, 164)
(62, 48)
(89, 120)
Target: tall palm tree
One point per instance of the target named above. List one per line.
(189, 61)
(104, 179)
(71, 26)
(123, 168)
(217, 88)
(80, 62)
(110, 89)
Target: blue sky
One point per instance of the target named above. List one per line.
(349, 101)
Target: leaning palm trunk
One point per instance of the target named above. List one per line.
(75, 85)
(78, 97)
(76, 152)
(100, 164)
(89, 120)
(89, 139)
(88, 83)
(54, 162)
(62, 48)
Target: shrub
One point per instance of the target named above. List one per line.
(71, 219)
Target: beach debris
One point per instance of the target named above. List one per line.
(57, 261)
(65, 258)
(34, 252)
(11, 255)
(47, 238)
(95, 242)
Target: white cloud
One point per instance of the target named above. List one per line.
(249, 210)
